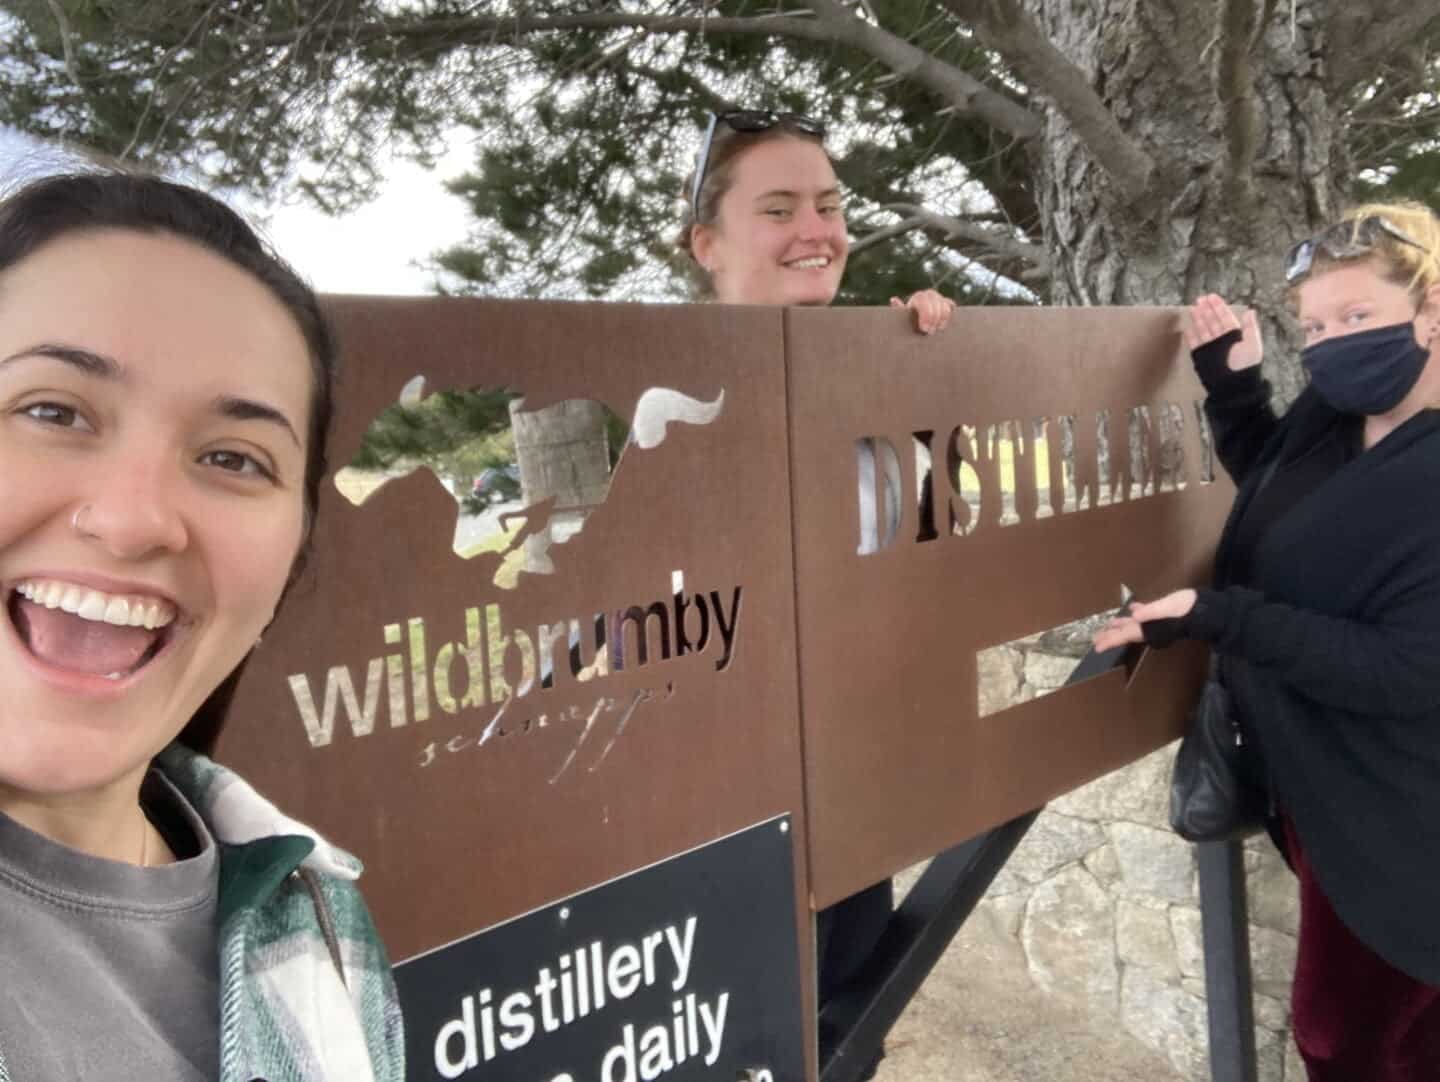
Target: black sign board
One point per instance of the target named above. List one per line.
(687, 969)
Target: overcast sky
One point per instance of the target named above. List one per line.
(372, 250)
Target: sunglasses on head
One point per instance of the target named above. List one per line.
(1343, 240)
(745, 121)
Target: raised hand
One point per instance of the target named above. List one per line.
(1210, 317)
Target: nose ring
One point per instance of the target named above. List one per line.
(75, 519)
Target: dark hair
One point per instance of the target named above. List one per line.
(46, 209)
(726, 146)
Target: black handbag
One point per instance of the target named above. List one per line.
(1212, 796)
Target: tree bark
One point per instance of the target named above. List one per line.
(563, 452)
(1195, 231)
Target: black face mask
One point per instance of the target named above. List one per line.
(1369, 372)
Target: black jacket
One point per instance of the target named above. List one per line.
(1332, 652)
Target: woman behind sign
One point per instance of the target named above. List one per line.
(1326, 617)
(764, 224)
(166, 386)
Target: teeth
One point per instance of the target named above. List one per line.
(121, 611)
(811, 263)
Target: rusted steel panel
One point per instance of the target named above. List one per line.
(400, 705)
(505, 797)
(1022, 534)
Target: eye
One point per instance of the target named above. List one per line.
(830, 209)
(237, 462)
(779, 213)
(56, 414)
(1357, 316)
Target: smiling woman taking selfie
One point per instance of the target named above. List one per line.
(1325, 616)
(165, 390)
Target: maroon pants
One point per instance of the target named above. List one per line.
(1356, 1017)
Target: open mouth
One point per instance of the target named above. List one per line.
(87, 631)
(814, 262)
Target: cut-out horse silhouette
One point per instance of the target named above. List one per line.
(519, 531)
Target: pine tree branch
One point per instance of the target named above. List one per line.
(432, 34)
(1005, 27)
(1235, 87)
(700, 90)
(67, 46)
(886, 232)
(917, 217)
(160, 78)
(1364, 37)
(835, 25)
(958, 89)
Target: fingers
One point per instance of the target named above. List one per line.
(1252, 324)
(1251, 349)
(1130, 628)
(1150, 610)
(1120, 631)
(932, 310)
(1209, 318)
(1168, 607)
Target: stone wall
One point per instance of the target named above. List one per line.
(1102, 898)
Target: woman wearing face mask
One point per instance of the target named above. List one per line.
(765, 225)
(165, 390)
(1325, 615)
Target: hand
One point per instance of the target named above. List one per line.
(932, 311)
(1124, 630)
(1211, 317)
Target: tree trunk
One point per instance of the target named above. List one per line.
(562, 451)
(1201, 227)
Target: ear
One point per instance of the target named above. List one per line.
(702, 246)
(1430, 299)
(1430, 308)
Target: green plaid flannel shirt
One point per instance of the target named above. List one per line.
(291, 919)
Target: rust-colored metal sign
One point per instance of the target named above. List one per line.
(952, 496)
(607, 677)
(572, 598)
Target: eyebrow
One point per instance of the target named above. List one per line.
(99, 365)
(247, 409)
(92, 364)
(788, 194)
